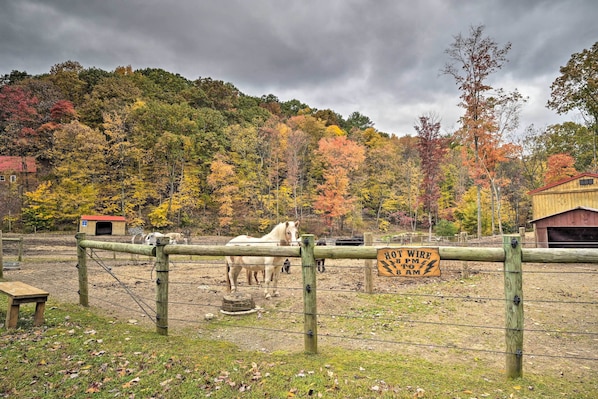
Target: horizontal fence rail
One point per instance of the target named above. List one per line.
(512, 254)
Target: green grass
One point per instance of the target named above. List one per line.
(79, 354)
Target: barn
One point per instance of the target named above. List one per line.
(99, 225)
(575, 228)
(565, 213)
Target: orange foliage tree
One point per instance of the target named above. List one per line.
(340, 157)
(559, 167)
(472, 60)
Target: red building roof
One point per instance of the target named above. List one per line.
(103, 218)
(567, 180)
(15, 164)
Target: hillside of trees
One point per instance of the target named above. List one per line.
(171, 153)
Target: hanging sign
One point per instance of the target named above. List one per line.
(408, 262)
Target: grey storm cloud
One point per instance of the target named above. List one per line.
(381, 58)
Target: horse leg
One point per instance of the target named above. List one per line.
(228, 284)
(268, 273)
(275, 273)
(320, 263)
(233, 276)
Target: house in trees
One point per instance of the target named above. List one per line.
(16, 169)
(99, 225)
(565, 213)
(17, 176)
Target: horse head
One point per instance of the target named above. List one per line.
(291, 232)
(151, 238)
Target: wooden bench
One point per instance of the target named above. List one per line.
(19, 293)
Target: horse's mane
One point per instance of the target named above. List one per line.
(277, 231)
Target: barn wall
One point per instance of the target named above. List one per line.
(574, 218)
(541, 237)
(564, 197)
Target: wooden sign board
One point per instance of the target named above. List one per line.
(408, 262)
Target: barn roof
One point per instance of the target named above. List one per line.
(15, 164)
(102, 218)
(558, 183)
(583, 208)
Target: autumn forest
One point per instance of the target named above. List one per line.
(170, 153)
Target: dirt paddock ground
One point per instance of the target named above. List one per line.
(449, 313)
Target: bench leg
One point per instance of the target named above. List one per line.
(38, 318)
(12, 314)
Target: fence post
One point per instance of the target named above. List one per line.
(1, 261)
(161, 286)
(20, 258)
(513, 306)
(369, 285)
(310, 309)
(82, 269)
(522, 234)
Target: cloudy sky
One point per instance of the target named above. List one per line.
(381, 58)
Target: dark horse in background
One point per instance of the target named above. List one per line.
(320, 262)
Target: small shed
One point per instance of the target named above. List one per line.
(99, 225)
(575, 228)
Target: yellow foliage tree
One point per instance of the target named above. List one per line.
(222, 181)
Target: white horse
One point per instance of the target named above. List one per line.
(285, 233)
(176, 238)
(151, 238)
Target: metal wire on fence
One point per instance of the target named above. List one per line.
(119, 273)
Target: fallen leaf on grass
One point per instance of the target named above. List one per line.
(94, 387)
(131, 383)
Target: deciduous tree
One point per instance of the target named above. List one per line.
(559, 167)
(340, 157)
(472, 60)
(573, 139)
(222, 180)
(431, 149)
(577, 88)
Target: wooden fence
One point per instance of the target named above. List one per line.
(512, 255)
(20, 251)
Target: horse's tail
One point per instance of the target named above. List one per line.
(228, 284)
